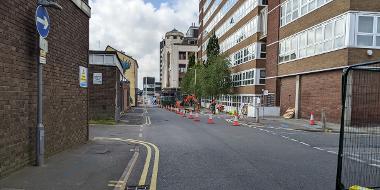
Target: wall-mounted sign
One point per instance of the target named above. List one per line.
(97, 78)
(82, 77)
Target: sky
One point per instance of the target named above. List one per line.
(137, 27)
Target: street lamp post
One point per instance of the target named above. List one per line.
(43, 27)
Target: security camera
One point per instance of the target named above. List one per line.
(50, 3)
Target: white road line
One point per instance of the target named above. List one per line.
(295, 140)
(319, 148)
(375, 160)
(271, 127)
(266, 131)
(356, 159)
(140, 134)
(304, 143)
(332, 152)
(375, 165)
(284, 137)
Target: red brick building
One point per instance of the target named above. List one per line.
(65, 103)
(309, 43)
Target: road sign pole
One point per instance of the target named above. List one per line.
(40, 127)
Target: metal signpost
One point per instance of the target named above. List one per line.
(43, 27)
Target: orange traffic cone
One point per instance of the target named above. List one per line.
(312, 122)
(191, 115)
(196, 118)
(236, 122)
(210, 120)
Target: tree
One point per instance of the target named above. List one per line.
(191, 60)
(213, 48)
(216, 78)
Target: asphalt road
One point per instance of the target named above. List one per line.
(197, 155)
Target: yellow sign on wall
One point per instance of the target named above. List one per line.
(82, 77)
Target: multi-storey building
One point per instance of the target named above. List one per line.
(241, 29)
(310, 42)
(177, 48)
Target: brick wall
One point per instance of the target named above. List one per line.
(272, 85)
(102, 96)
(287, 94)
(65, 103)
(321, 91)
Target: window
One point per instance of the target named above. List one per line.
(293, 9)
(262, 76)
(368, 31)
(182, 55)
(327, 36)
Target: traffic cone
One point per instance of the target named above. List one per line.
(210, 120)
(191, 115)
(196, 118)
(312, 122)
(235, 122)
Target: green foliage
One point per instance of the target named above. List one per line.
(191, 60)
(215, 79)
(213, 48)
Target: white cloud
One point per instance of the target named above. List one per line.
(137, 27)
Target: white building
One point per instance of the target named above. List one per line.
(175, 54)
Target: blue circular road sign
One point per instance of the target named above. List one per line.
(42, 21)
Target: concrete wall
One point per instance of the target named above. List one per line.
(65, 103)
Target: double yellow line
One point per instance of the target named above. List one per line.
(144, 174)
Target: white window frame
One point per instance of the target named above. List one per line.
(374, 34)
(284, 52)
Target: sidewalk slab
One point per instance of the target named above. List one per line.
(90, 166)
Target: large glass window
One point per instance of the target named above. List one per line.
(294, 9)
(324, 37)
(368, 31)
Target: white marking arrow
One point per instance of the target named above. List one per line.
(44, 22)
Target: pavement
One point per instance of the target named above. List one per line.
(101, 163)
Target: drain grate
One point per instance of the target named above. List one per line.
(142, 187)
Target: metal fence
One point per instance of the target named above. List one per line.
(359, 143)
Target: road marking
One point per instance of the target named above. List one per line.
(295, 140)
(146, 165)
(141, 129)
(304, 143)
(356, 159)
(375, 165)
(332, 152)
(121, 184)
(319, 148)
(153, 181)
(284, 137)
(140, 134)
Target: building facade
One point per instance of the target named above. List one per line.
(107, 86)
(65, 102)
(309, 45)
(175, 56)
(148, 86)
(241, 29)
(131, 74)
